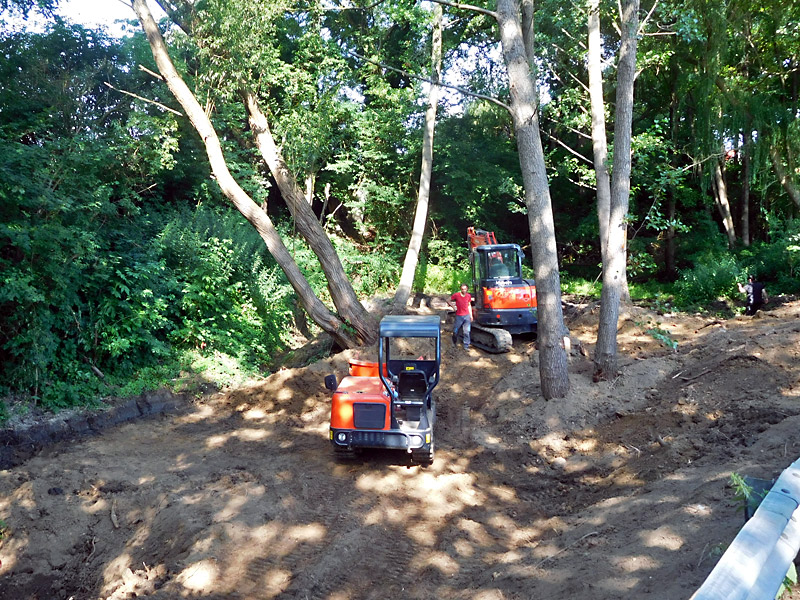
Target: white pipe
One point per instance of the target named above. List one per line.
(759, 557)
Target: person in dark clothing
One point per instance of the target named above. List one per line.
(756, 295)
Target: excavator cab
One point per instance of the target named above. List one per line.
(391, 406)
(497, 262)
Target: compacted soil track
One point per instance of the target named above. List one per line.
(620, 490)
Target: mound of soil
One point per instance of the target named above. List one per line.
(619, 490)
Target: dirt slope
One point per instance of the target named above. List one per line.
(618, 491)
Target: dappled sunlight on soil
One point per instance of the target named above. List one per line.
(618, 490)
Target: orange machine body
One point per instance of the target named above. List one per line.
(358, 389)
(503, 298)
(389, 404)
(509, 297)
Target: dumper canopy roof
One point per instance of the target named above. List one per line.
(394, 326)
(410, 343)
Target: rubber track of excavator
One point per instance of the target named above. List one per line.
(491, 339)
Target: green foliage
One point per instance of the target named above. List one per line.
(789, 581)
(662, 303)
(641, 262)
(579, 286)
(442, 267)
(370, 272)
(224, 370)
(658, 333)
(435, 279)
(776, 261)
(743, 492)
(229, 295)
(713, 276)
(478, 177)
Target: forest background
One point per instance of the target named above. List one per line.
(124, 267)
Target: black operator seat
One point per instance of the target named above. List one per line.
(412, 385)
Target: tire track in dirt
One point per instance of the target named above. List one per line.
(322, 574)
(527, 498)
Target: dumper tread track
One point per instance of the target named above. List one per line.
(423, 457)
(344, 454)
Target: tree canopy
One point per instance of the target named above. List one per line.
(120, 256)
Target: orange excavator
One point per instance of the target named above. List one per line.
(504, 302)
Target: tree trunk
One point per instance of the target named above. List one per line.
(669, 244)
(244, 204)
(599, 141)
(326, 198)
(614, 263)
(670, 266)
(722, 202)
(310, 181)
(746, 191)
(529, 35)
(423, 194)
(345, 299)
(552, 356)
(783, 177)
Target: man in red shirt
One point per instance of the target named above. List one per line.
(463, 306)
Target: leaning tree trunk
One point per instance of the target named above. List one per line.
(783, 176)
(615, 260)
(345, 299)
(722, 202)
(244, 204)
(529, 34)
(552, 356)
(423, 194)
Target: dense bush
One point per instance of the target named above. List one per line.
(93, 290)
(443, 266)
(713, 276)
(776, 262)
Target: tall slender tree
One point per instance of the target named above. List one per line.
(426, 169)
(553, 371)
(615, 255)
(598, 110)
(720, 188)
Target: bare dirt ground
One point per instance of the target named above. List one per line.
(620, 490)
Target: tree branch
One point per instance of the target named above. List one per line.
(427, 80)
(647, 18)
(340, 8)
(568, 149)
(459, 5)
(578, 81)
(577, 132)
(162, 106)
(151, 73)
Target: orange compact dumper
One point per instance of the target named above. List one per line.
(392, 407)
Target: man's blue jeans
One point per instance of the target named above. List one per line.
(464, 323)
